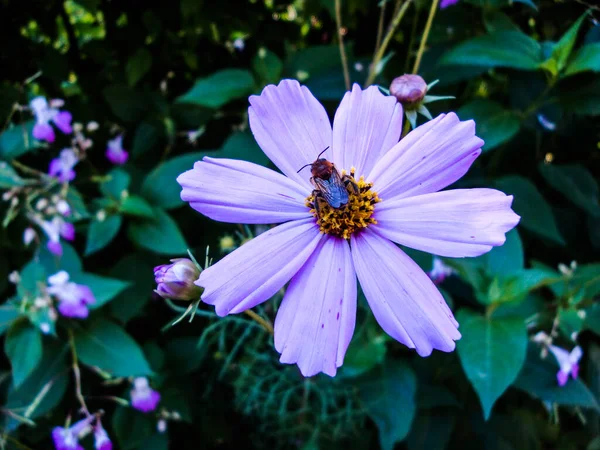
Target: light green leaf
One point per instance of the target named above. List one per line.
(494, 124)
(562, 49)
(587, 58)
(576, 183)
(388, 395)
(135, 205)
(117, 181)
(512, 49)
(536, 215)
(101, 233)
(138, 65)
(161, 235)
(103, 288)
(23, 347)
(267, 66)
(219, 88)
(106, 345)
(17, 140)
(492, 352)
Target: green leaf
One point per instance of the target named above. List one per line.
(367, 349)
(161, 235)
(8, 313)
(103, 288)
(132, 427)
(583, 100)
(118, 181)
(106, 345)
(125, 103)
(9, 178)
(69, 261)
(138, 65)
(592, 318)
(496, 21)
(160, 187)
(137, 270)
(512, 49)
(102, 232)
(51, 375)
(267, 66)
(388, 395)
(536, 215)
(492, 352)
(23, 347)
(242, 145)
(495, 125)
(587, 58)
(506, 259)
(538, 378)
(431, 431)
(576, 183)
(17, 140)
(219, 88)
(562, 49)
(31, 276)
(135, 205)
(145, 138)
(78, 208)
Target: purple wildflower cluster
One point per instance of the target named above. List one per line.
(67, 438)
(73, 299)
(115, 152)
(47, 113)
(143, 397)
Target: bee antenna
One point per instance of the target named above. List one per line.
(305, 165)
(326, 148)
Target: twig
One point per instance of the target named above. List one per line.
(386, 41)
(432, 11)
(338, 24)
(77, 373)
(265, 324)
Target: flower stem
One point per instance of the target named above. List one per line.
(379, 28)
(432, 11)
(386, 41)
(265, 323)
(338, 25)
(77, 373)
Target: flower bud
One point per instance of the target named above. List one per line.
(408, 89)
(176, 280)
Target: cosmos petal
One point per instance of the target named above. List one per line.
(290, 126)
(316, 319)
(366, 125)
(455, 223)
(428, 159)
(242, 192)
(258, 269)
(404, 300)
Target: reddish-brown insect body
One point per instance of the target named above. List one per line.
(322, 168)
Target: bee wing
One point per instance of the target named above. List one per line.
(333, 189)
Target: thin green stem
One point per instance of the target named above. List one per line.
(264, 323)
(379, 28)
(411, 42)
(432, 11)
(386, 41)
(77, 373)
(338, 25)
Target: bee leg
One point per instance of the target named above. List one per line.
(318, 198)
(350, 184)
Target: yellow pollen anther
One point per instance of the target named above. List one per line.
(350, 218)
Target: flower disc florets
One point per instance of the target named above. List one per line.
(354, 216)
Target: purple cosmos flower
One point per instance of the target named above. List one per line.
(176, 280)
(62, 167)
(569, 363)
(68, 438)
(446, 3)
(440, 271)
(44, 114)
(73, 298)
(392, 197)
(143, 397)
(101, 439)
(54, 230)
(115, 152)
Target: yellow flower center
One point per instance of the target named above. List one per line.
(351, 217)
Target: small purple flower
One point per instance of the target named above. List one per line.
(392, 197)
(440, 271)
(68, 438)
(73, 298)
(176, 280)
(44, 114)
(115, 152)
(54, 230)
(101, 439)
(446, 3)
(143, 397)
(62, 167)
(568, 362)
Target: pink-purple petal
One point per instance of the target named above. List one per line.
(316, 319)
(258, 269)
(43, 132)
(454, 223)
(366, 125)
(242, 192)
(290, 126)
(404, 300)
(63, 121)
(428, 159)
(67, 230)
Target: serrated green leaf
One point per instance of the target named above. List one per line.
(138, 65)
(492, 352)
(104, 289)
(388, 395)
(536, 215)
(106, 345)
(23, 347)
(102, 232)
(135, 205)
(160, 235)
(494, 124)
(512, 49)
(219, 88)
